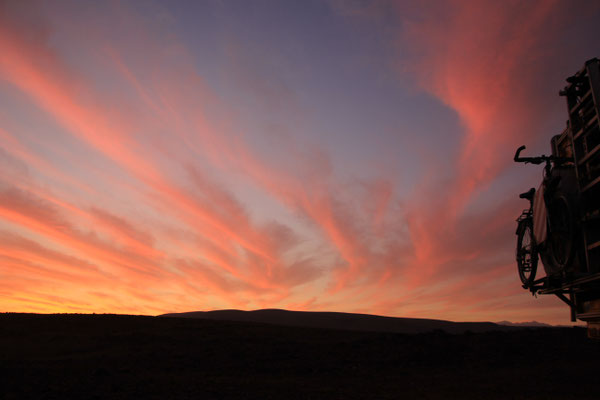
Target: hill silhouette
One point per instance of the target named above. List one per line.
(531, 324)
(343, 321)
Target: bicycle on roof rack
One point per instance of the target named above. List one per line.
(561, 227)
(546, 229)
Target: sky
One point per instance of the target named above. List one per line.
(351, 156)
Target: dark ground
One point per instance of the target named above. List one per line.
(114, 356)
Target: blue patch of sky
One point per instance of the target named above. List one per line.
(344, 91)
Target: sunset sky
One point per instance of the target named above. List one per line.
(347, 156)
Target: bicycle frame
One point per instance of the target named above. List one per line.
(552, 201)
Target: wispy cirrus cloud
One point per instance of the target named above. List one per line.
(489, 63)
(177, 203)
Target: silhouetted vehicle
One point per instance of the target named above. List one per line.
(561, 227)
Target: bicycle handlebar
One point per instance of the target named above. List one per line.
(533, 160)
(519, 150)
(540, 159)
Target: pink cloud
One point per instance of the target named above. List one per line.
(169, 147)
(482, 60)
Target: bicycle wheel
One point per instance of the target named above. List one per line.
(527, 257)
(560, 232)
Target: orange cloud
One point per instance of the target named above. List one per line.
(168, 148)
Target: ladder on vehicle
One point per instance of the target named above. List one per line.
(583, 101)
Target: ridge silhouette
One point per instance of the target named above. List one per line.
(342, 321)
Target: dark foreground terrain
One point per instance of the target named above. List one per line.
(114, 356)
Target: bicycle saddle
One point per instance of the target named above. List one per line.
(528, 195)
